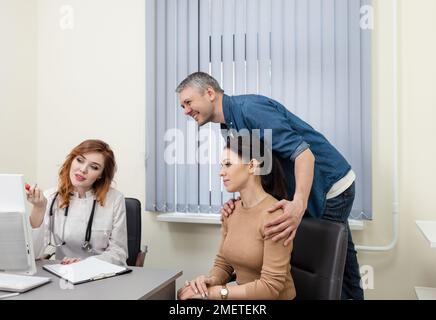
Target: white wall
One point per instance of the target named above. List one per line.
(91, 85)
(412, 263)
(18, 31)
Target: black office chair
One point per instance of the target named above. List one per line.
(133, 217)
(318, 259)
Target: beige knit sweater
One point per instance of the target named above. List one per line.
(261, 266)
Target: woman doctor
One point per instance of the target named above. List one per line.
(83, 216)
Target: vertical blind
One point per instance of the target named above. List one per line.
(310, 55)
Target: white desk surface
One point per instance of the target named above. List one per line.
(425, 293)
(428, 229)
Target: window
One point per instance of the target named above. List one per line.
(310, 55)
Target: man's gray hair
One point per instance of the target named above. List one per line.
(201, 81)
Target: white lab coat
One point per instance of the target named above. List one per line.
(109, 229)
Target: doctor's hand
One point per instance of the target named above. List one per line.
(68, 260)
(228, 208)
(35, 196)
(285, 226)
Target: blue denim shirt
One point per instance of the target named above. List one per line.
(290, 137)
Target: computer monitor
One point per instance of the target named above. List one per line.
(16, 246)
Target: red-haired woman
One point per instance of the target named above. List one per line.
(83, 216)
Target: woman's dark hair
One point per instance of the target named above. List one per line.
(249, 147)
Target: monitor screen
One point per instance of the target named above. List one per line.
(16, 247)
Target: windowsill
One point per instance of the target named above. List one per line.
(205, 218)
(180, 217)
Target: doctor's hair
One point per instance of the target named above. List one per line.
(247, 147)
(101, 186)
(201, 81)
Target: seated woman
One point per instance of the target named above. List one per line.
(262, 266)
(83, 216)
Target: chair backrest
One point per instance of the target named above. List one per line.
(318, 259)
(133, 216)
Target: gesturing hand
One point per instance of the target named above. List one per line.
(68, 260)
(35, 196)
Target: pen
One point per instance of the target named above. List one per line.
(102, 276)
(9, 295)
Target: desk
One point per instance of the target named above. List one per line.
(140, 284)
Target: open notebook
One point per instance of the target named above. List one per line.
(20, 283)
(87, 270)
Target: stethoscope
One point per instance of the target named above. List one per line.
(86, 245)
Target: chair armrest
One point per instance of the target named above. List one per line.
(140, 258)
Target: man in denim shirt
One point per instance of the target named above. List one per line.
(321, 182)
